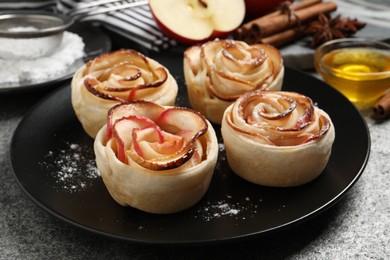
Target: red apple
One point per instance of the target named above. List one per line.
(257, 8)
(196, 21)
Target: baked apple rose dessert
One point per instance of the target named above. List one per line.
(118, 77)
(154, 158)
(218, 72)
(277, 138)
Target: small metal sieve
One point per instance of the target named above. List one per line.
(43, 27)
(45, 23)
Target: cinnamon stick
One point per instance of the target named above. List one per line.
(293, 7)
(282, 38)
(382, 107)
(275, 23)
(283, 22)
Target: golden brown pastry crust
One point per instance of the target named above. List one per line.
(277, 138)
(118, 77)
(218, 72)
(156, 191)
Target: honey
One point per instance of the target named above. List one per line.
(361, 74)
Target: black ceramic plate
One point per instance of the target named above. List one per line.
(53, 161)
(96, 43)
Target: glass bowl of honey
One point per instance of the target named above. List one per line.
(358, 68)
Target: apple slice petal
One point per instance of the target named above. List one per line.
(143, 137)
(112, 59)
(122, 126)
(119, 75)
(192, 57)
(229, 88)
(273, 54)
(155, 137)
(95, 87)
(124, 77)
(109, 90)
(121, 133)
(178, 119)
(164, 163)
(149, 149)
(170, 144)
(137, 108)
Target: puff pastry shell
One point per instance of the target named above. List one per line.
(118, 77)
(276, 138)
(218, 72)
(167, 178)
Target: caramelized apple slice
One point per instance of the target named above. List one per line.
(109, 60)
(150, 143)
(138, 108)
(148, 150)
(154, 137)
(278, 118)
(181, 119)
(121, 132)
(119, 75)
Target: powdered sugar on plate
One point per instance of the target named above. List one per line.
(46, 68)
(228, 208)
(73, 168)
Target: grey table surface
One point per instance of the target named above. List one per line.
(357, 227)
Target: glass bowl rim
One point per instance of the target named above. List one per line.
(319, 53)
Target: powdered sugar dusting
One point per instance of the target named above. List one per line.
(228, 208)
(44, 68)
(221, 147)
(74, 168)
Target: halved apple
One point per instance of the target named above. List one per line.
(196, 21)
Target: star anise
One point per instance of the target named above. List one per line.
(325, 29)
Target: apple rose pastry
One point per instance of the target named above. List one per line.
(154, 158)
(118, 77)
(218, 72)
(277, 138)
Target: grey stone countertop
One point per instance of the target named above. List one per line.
(357, 227)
